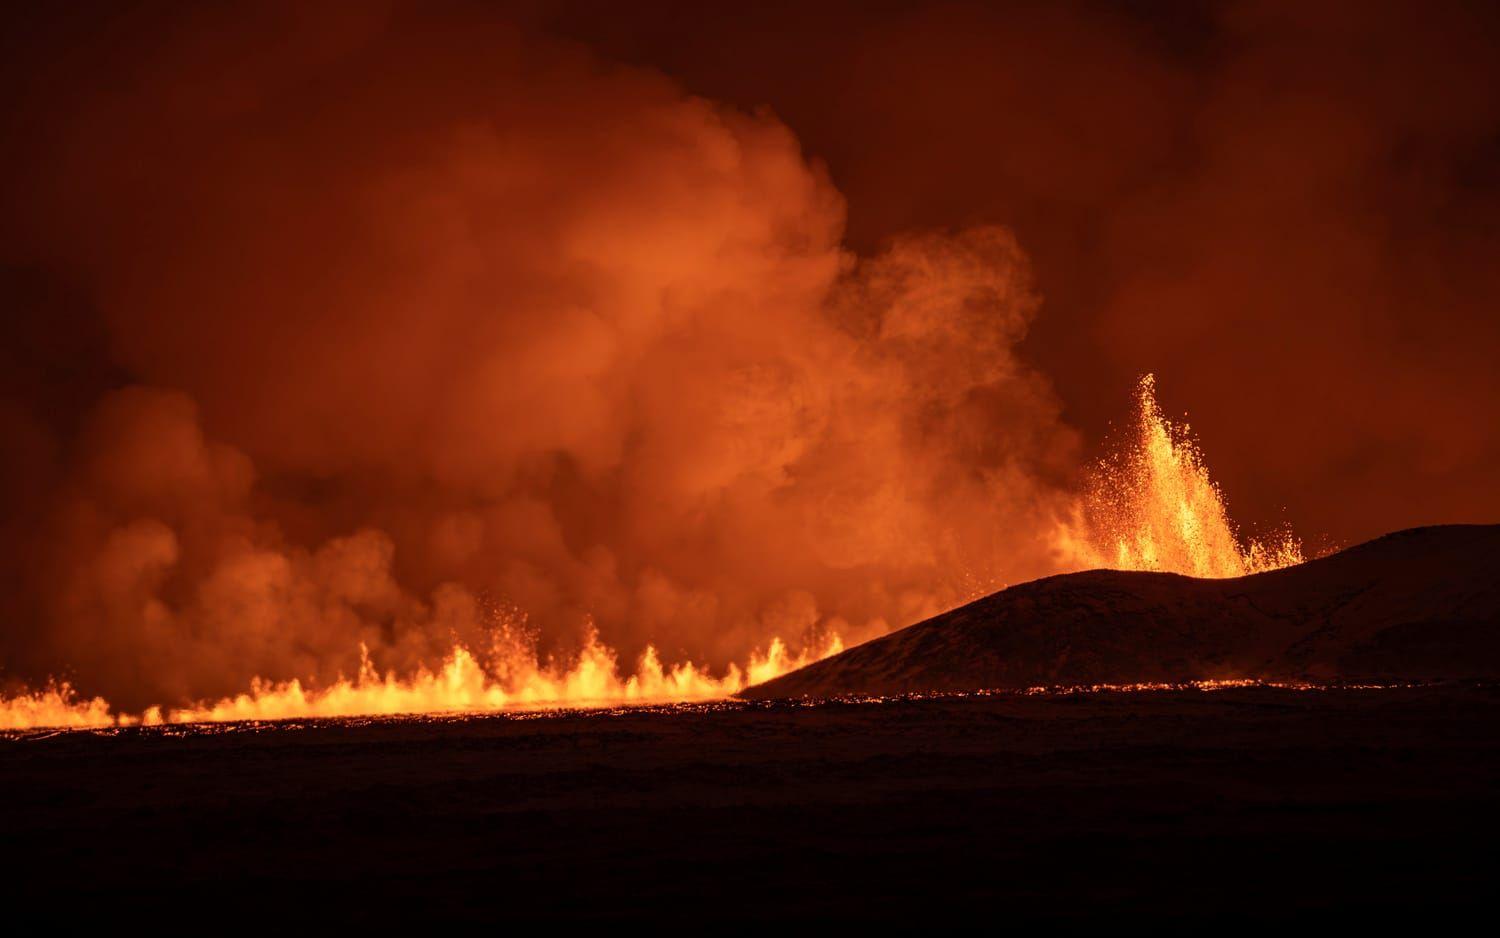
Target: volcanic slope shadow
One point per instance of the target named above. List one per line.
(1417, 605)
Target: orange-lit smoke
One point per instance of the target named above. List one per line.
(409, 316)
(419, 317)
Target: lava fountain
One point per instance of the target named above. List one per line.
(1151, 505)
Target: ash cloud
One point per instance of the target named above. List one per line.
(355, 324)
(411, 315)
(1288, 211)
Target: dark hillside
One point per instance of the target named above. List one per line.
(1416, 605)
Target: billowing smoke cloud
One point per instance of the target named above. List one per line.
(411, 318)
(1286, 210)
(357, 325)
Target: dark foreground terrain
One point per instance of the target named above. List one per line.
(1159, 809)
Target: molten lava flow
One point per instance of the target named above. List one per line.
(460, 684)
(54, 705)
(1154, 507)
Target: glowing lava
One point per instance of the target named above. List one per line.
(1152, 506)
(461, 684)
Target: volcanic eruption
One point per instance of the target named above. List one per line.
(375, 360)
(1150, 506)
(495, 461)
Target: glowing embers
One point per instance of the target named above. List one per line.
(1152, 506)
(461, 684)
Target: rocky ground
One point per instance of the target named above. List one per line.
(1178, 809)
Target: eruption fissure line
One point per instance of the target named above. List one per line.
(460, 684)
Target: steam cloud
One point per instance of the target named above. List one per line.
(420, 318)
(371, 324)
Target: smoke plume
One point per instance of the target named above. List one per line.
(406, 326)
(419, 318)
